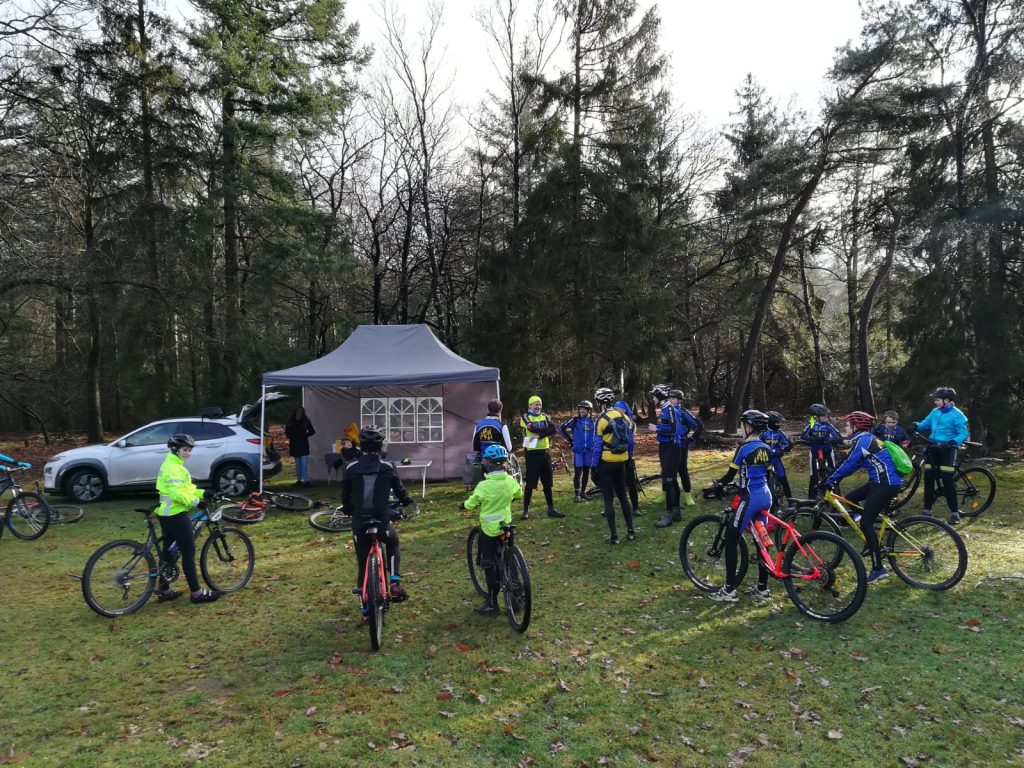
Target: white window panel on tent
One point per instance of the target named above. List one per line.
(405, 419)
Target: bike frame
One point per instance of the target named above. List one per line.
(774, 566)
(838, 502)
(382, 581)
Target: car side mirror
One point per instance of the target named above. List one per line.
(121, 444)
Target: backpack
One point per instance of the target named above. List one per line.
(618, 428)
(899, 458)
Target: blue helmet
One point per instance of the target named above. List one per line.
(495, 453)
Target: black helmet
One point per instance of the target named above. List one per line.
(775, 419)
(604, 396)
(946, 393)
(586, 404)
(756, 419)
(676, 393)
(371, 438)
(180, 440)
(660, 391)
(820, 410)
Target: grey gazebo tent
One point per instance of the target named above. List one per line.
(428, 397)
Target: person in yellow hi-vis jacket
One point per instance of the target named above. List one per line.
(537, 432)
(493, 496)
(178, 497)
(612, 436)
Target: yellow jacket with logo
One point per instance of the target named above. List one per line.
(174, 484)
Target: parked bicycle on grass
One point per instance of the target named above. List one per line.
(974, 485)
(254, 508)
(27, 514)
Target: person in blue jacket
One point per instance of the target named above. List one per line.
(946, 426)
(579, 433)
(819, 436)
(751, 462)
(690, 428)
(868, 452)
(776, 439)
(891, 430)
(666, 432)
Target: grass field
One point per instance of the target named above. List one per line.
(624, 663)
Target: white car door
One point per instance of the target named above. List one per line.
(136, 457)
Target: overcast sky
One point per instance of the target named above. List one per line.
(787, 44)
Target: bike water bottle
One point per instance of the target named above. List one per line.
(762, 534)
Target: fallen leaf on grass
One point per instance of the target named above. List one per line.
(281, 692)
(835, 735)
(563, 686)
(858, 656)
(445, 696)
(445, 713)
(555, 746)
(973, 623)
(634, 563)
(462, 647)
(701, 683)
(311, 711)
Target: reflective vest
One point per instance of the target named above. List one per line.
(174, 484)
(494, 496)
(529, 437)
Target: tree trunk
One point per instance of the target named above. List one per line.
(852, 278)
(232, 341)
(867, 397)
(812, 324)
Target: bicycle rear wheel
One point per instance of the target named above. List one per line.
(516, 587)
(119, 578)
(375, 600)
(514, 470)
(825, 577)
(331, 521)
(242, 514)
(291, 502)
(926, 553)
(976, 489)
(227, 560)
(65, 513)
(477, 574)
(702, 553)
(28, 516)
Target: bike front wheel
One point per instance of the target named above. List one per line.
(28, 516)
(477, 572)
(240, 514)
(291, 502)
(331, 521)
(516, 587)
(975, 489)
(702, 553)
(825, 577)
(375, 600)
(227, 560)
(513, 469)
(926, 553)
(119, 578)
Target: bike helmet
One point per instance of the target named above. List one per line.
(677, 393)
(757, 419)
(946, 393)
(495, 453)
(660, 391)
(371, 438)
(819, 410)
(775, 419)
(180, 440)
(585, 404)
(860, 420)
(604, 396)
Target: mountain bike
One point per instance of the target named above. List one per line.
(254, 508)
(924, 552)
(558, 461)
(975, 484)
(820, 468)
(122, 575)
(374, 589)
(27, 515)
(513, 575)
(336, 520)
(66, 513)
(823, 574)
(594, 491)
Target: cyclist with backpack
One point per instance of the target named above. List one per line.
(750, 462)
(869, 452)
(820, 436)
(493, 496)
(690, 428)
(891, 430)
(365, 490)
(667, 434)
(537, 431)
(612, 437)
(579, 433)
(946, 425)
(632, 484)
(780, 445)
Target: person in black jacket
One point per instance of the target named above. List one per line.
(365, 491)
(298, 429)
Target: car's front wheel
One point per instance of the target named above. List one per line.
(85, 485)
(232, 479)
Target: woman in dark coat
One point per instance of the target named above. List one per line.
(298, 430)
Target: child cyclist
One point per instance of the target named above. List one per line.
(946, 425)
(869, 453)
(493, 496)
(579, 433)
(891, 430)
(819, 435)
(751, 462)
(779, 444)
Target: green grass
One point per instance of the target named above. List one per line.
(624, 663)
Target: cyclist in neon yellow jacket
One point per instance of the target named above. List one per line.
(493, 496)
(178, 497)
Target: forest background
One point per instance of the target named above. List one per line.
(185, 204)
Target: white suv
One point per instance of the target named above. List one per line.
(226, 458)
